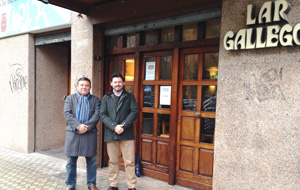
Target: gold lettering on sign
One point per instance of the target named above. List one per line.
(265, 36)
(296, 34)
(285, 36)
(265, 13)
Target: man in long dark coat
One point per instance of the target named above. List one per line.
(81, 111)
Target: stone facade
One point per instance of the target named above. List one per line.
(52, 81)
(257, 127)
(17, 57)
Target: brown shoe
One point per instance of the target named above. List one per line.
(131, 188)
(93, 187)
(68, 188)
(113, 188)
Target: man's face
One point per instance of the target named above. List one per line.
(84, 87)
(117, 84)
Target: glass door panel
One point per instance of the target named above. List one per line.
(163, 129)
(129, 89)
(191, 67)
(129, 70)
(165, 97)
(148, 96)
(209, 98)
(150, 68)
(148, 123)
(116, 66)
(165, 68)
(210, 70)
(207, 130)
(189, 97)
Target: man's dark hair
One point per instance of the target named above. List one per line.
(84, 79)
(116, 75)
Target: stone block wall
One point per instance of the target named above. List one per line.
(257, 131)
(17, 58)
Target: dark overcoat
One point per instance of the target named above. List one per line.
(112, 114)
(84, 144)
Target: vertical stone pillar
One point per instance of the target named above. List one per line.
(87, 42)
(81, 49)
(31, 94)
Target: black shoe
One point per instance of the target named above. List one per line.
(113, 188)
(131, 188)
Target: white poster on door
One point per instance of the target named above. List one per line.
(150, 71)
(165, 95)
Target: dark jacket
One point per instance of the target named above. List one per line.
(112, 114)
(85, 144)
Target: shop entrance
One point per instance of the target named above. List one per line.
(174, 81)
(177, 103)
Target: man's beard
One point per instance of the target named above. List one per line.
(118, 90)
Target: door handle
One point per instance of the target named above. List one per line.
(197, 114)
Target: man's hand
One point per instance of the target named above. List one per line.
(82, 129)
(119, 129)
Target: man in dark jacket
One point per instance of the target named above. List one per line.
(81, 111)
(118, 112)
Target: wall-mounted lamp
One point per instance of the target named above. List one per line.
(97, 58)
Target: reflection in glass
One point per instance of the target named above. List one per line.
(210, 70)
(207, 130)
(129, 70)
(129, 89)
(114, 42)
(130, 40)
(149, 37)
(190, 32)
(148, 123)
(116, 66)
(163, 125)
(167, 34)
(213, 28)
(148, 96)
(209, 98)
(150, 68)
(191, 67)
(189, 97)
(165, 68)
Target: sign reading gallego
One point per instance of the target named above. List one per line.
(267, 35)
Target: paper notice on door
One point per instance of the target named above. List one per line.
(165, 95)
(150, 71)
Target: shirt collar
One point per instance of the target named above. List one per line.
(119, 94)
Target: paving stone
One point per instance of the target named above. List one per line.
(46, 170)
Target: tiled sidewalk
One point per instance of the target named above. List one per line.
(46, 171)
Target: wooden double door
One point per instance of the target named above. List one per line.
(176, 93)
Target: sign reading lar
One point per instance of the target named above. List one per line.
(265, 36)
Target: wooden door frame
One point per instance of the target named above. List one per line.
(169, 174)
(177, 46)
(179, 179)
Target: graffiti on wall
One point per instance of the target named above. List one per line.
(267, 86)
(18, 79)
